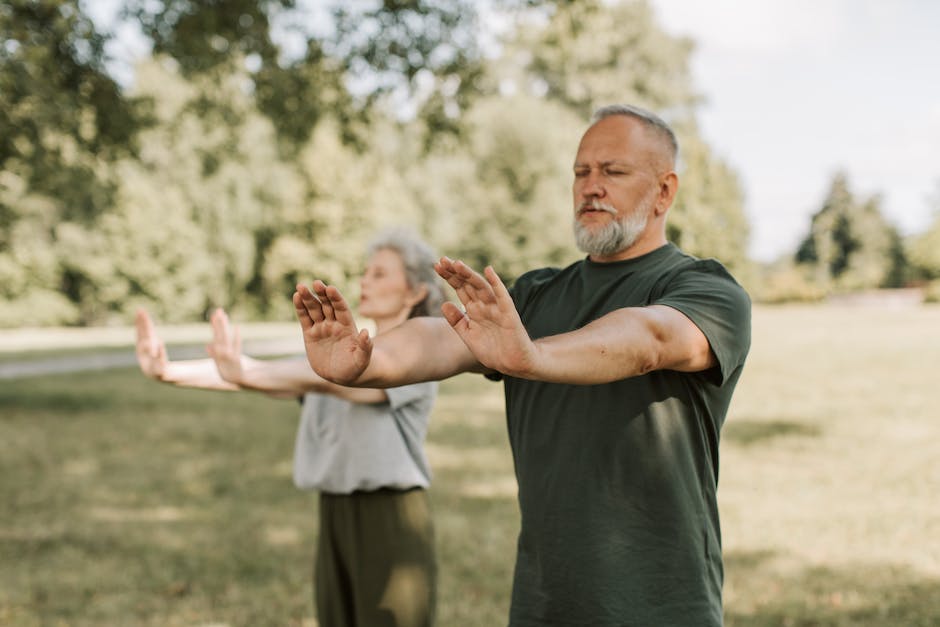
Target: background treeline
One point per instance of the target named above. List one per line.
(263, 141)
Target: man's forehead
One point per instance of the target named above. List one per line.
(617, 138)
(604, 149)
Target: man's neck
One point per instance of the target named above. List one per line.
(637, 249)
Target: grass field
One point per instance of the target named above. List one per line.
(123, 502)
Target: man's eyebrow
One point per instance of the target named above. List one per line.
(603, 164)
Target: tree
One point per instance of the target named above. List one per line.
(352, 193)
(180, 234)
(211, 213)
(30, 275)
(62, 121)
(424, 52)
(707, 218)
(503, 197)
(850, 245)
(584, 55)
(592, 53)
(923, 250)
(237, 165)
(60, 112)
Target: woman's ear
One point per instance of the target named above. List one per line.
(417, 295)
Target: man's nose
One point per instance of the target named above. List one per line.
(592, 186)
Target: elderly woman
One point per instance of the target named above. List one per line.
(362, 449)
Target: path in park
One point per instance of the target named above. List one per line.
(118, 352)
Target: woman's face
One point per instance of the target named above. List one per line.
(384, 290)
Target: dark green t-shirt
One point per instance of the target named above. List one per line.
(617, 481)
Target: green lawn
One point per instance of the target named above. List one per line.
(124, 502)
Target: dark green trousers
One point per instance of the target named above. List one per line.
(375, 564)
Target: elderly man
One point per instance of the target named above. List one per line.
(618, 373)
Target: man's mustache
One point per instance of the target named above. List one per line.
(596, 205)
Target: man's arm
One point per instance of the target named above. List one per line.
(624, 343)
(278, 377)
(420, 349)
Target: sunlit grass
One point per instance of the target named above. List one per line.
(123, 502)
(831, 470)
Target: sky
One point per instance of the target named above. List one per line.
(796, 90)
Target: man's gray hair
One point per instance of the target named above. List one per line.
(418, 258)
(652, 121)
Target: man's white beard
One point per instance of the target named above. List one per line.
(619, 234)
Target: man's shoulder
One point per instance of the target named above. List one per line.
(684, 266)
(546, 274)
(537, 280)
(531, 279)
(538, 275)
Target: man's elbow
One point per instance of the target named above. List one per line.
(650, 362)
(697, 360)
(687, 356)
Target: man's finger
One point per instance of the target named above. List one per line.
(307, 305)
(326, 307)
(445, 269)
(499, 288)
(365, 342)
(460, 277)
(478, 287)
(341, 311)
(452, 314)
(303, 315)
(471, 288)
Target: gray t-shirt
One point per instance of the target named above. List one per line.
(342, 446)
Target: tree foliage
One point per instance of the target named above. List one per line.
(924, 249)
(850, 245)
(589, 54)
(52, 76)
(234, 168)
(59, 109)
(422, 52)
(708, 218)
(504, 198)
(592, 53)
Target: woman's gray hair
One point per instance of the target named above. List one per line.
(652, 121)
(418, 258)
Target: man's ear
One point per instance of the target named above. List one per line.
(668, 186)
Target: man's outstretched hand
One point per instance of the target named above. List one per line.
(335, 348)
(489, 325)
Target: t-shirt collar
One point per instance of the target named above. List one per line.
(651, 257)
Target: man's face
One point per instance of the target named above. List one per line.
(615, 185)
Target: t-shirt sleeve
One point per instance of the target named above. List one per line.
(409, 394)
(710, 297)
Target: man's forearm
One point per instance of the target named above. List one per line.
(625, 343)
(420, 349)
